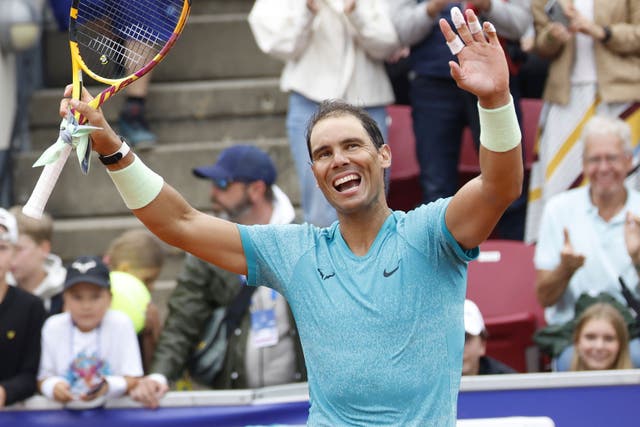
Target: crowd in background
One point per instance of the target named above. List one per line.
(581, 207)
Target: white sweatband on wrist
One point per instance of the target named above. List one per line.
(117, 386)
(137, 184)
(48, 385)
(499, 128)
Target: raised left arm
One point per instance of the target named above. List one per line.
(476, 208)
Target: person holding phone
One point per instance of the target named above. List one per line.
(594, 52)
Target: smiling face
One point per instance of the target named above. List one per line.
(348, 167)
(605, 164)
(598, 344)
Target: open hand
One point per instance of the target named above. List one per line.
(482, 68)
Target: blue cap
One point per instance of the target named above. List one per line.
(244, 163)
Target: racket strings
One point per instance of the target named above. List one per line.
(118, 37)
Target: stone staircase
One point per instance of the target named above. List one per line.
(214, 89)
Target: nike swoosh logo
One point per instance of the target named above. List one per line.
(386, 273)
(326, 276)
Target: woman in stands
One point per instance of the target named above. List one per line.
(600, 339)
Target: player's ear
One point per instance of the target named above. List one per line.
(256, 189)
(384, 154)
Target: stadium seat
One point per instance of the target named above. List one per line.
(404, 189)
(502, 283)
(531, 109)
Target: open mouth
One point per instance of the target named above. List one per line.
(347, 182)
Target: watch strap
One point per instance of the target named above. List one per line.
(117, 156)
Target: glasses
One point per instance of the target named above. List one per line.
(608, 159)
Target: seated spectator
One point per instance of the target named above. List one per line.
(89, 352)
(474, 360)
(243, 190)
(586, 241)
(135, 259)
(600, 340)
(21, 318)
(34, 268)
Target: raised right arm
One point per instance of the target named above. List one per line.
(158, 205)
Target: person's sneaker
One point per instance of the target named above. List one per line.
(136, 132)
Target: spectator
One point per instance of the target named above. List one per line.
(593, 70)
(135, 259)
(89, 353)
(332, 49)
(440, 109)
(21, 318)
(474, 360)
(132, 122)
(34, 268)
(377, 296)
(584, 244)
(244, 191)
(600, 339)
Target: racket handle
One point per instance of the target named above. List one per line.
(42, 191)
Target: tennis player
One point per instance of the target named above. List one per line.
(378, 296)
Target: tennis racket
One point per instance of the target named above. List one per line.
(115, 42)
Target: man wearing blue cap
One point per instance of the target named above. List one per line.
(243, 190)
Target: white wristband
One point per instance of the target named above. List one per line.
(117, 386)
(137, 184)
(499, 128)
(47, 386)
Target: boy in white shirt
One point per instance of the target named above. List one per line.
(89, 353)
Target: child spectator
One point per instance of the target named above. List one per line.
(135, 259)
(89, 353)
(34, 268)
(21, 318)
(601, 340)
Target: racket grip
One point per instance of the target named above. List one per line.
(42, 191)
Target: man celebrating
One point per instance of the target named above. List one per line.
(379, 295)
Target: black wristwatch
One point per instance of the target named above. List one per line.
(607, 34)
(117, 156)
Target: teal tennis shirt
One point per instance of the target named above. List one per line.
(383, 333)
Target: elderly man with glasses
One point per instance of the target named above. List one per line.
(589, 236)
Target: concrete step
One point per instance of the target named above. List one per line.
(94, 195)
(199, 7)
(184, 112)
(242, 128)
(212, 47)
